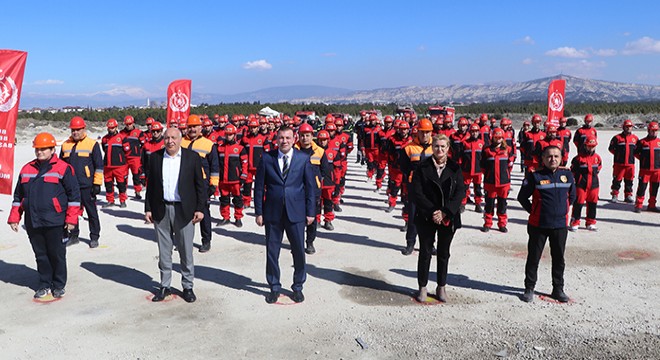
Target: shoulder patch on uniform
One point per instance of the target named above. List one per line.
(563, 178)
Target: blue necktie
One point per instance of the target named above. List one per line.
(285, 166)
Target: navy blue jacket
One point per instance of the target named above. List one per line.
(552, 195)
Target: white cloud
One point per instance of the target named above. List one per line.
(257, 65)
(568, 52)
(526, 40)
(49, 82)
(645, 45)
(581, 68)
(130, 91)
(604, 52)
(527, 61)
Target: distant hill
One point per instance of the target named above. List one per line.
(577, 90)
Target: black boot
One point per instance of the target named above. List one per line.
(408, 250)
(528, 296)
(559, 294)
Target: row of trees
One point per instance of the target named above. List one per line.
(496, 109)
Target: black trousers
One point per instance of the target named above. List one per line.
(88, 202)
(535, 245)
(411, 232)
(50, 253)
(205, 224)
(310, 230)
(427, 232)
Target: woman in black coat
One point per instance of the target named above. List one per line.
(437, 190)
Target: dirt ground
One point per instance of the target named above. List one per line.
(358, 292)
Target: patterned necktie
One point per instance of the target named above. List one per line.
(285, 166)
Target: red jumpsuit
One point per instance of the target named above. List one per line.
(337, 145)
(330, 183)
(370, 148)
(233, 161)
(622, 146)
(471, 167)
(497, 183)
(564, 134)
(135, 139)
(581, 135)
(648, 153)
(115, 147)
(585, 168)
(254, 145)
(347, 140)
(394, 147)
(383, 156)
(529, 146)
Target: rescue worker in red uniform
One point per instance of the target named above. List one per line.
(509, 139)
(552, 190)
(447, 127)
(418, 150)
(383, 136)
(586, 130)
(527, 126)
(550, 139)
(393, 148)
(85, 156)
(149, 123)
(495, 162)
(484, 129)
(135, 139)
(154, 144)
(471, 167)
(585, 167)
(530, 138)
(233, 173)
(564, 134)
(457, 139)
(47, 192)
(337, 145)
(347, 139)
(208, 152)
(331, 178)
(320, 166)
(115, 168)
(648, 153)
(254, 144)
(370, 145)
(437, 121)
(622, 146)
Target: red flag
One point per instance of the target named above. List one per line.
(556, 101)
(178, 100)
(12, 67)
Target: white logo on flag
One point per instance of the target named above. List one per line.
(556, 101)
(179, 101)
(8, 93)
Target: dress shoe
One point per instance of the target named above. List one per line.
(310, 249)
(93, 244)
(421, 295)
(206, 246)
(478, 208)
(73, 239)
(189, 295)
(336, 208)
(223, 222)
(528, 295)
(559, 295)
(272, 297)
(441, 294)
(389, 209)
(122, 204)
(162, 293)
(408, 250)
(298, 296)
(328, 225)
(238, 223)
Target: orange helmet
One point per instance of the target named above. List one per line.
(111, 123)
(77, 123)
(156, 126)
(194, 120)
(425, 125)
(653, 126)
(590, 141)
(536, 119)
(331, 127)
(589, 118)
(44, 140)
(627, 123)
(128, 120)
(305, 128)
(498, 133)
(149, 120)
(323, 135)
(230, 129)
(207, 122)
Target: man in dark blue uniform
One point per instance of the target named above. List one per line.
(552, 190)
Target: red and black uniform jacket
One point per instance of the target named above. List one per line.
(384, 135)
(457, 139)
(510, 139)
(485, 135)
(331, 169)
(581, 135)
(150, 147)
(135, 139)
(255, 145)
(471, 156)
(233, 162)
(394, 149)
(565, 135)
(552, 194)
(542, 144)
(115, 148)
(495, 165)
(622, 146)
(347, 139)
(371, 138)
(585, 168)
(337, 144)
(648, 153)
(530, 138)
(48, 194)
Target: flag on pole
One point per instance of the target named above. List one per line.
(556, 100)
(178, 100)
(12, 67)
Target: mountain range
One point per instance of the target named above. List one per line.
(577, 90)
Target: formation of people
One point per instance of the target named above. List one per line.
(474, 161)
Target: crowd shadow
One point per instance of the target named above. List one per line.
(464, 281)
(19, 274)
(124, 214)
(365, 205)
(356, 197)
(628, 222)
(229, 279)
(366, 221)
(240, 235)
(356, 240)
(340, 277)
(121, 275)
(148, 234)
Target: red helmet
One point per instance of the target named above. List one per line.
(483, 117)
(373, 117)
(551, 129)
(590, 141)
(194, 120)
(44, 140)
(222, 120)
(306, 128)
(128, 120)
(329, 120)
(425, 125)
(448, 120)
(216, 116)
(263, 121)
(183, 123)
(463, 122)
(77, 123)
(589, 118)
(149, 120)
(627, 123)
(498, 133)
(414, 130)
(505, 122)
(439, 120)
(536, 119)
(404, 125)
(329, 116)
(563, 120)
(339, 122)
(331, 127)
(323, 135)
(230, 129)
(253, 123)
(653, 126)
(207, 122)
(527, 123)
(155, 126)
(388, 119)
(111, 123)
(475, 127)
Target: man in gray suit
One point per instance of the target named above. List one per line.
(175, 201)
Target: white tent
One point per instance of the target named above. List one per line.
(267, 111)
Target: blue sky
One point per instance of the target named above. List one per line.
(138, 47)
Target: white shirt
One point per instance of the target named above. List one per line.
(280, 158)
(171, 168)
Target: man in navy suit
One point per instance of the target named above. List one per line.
(284, 202)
